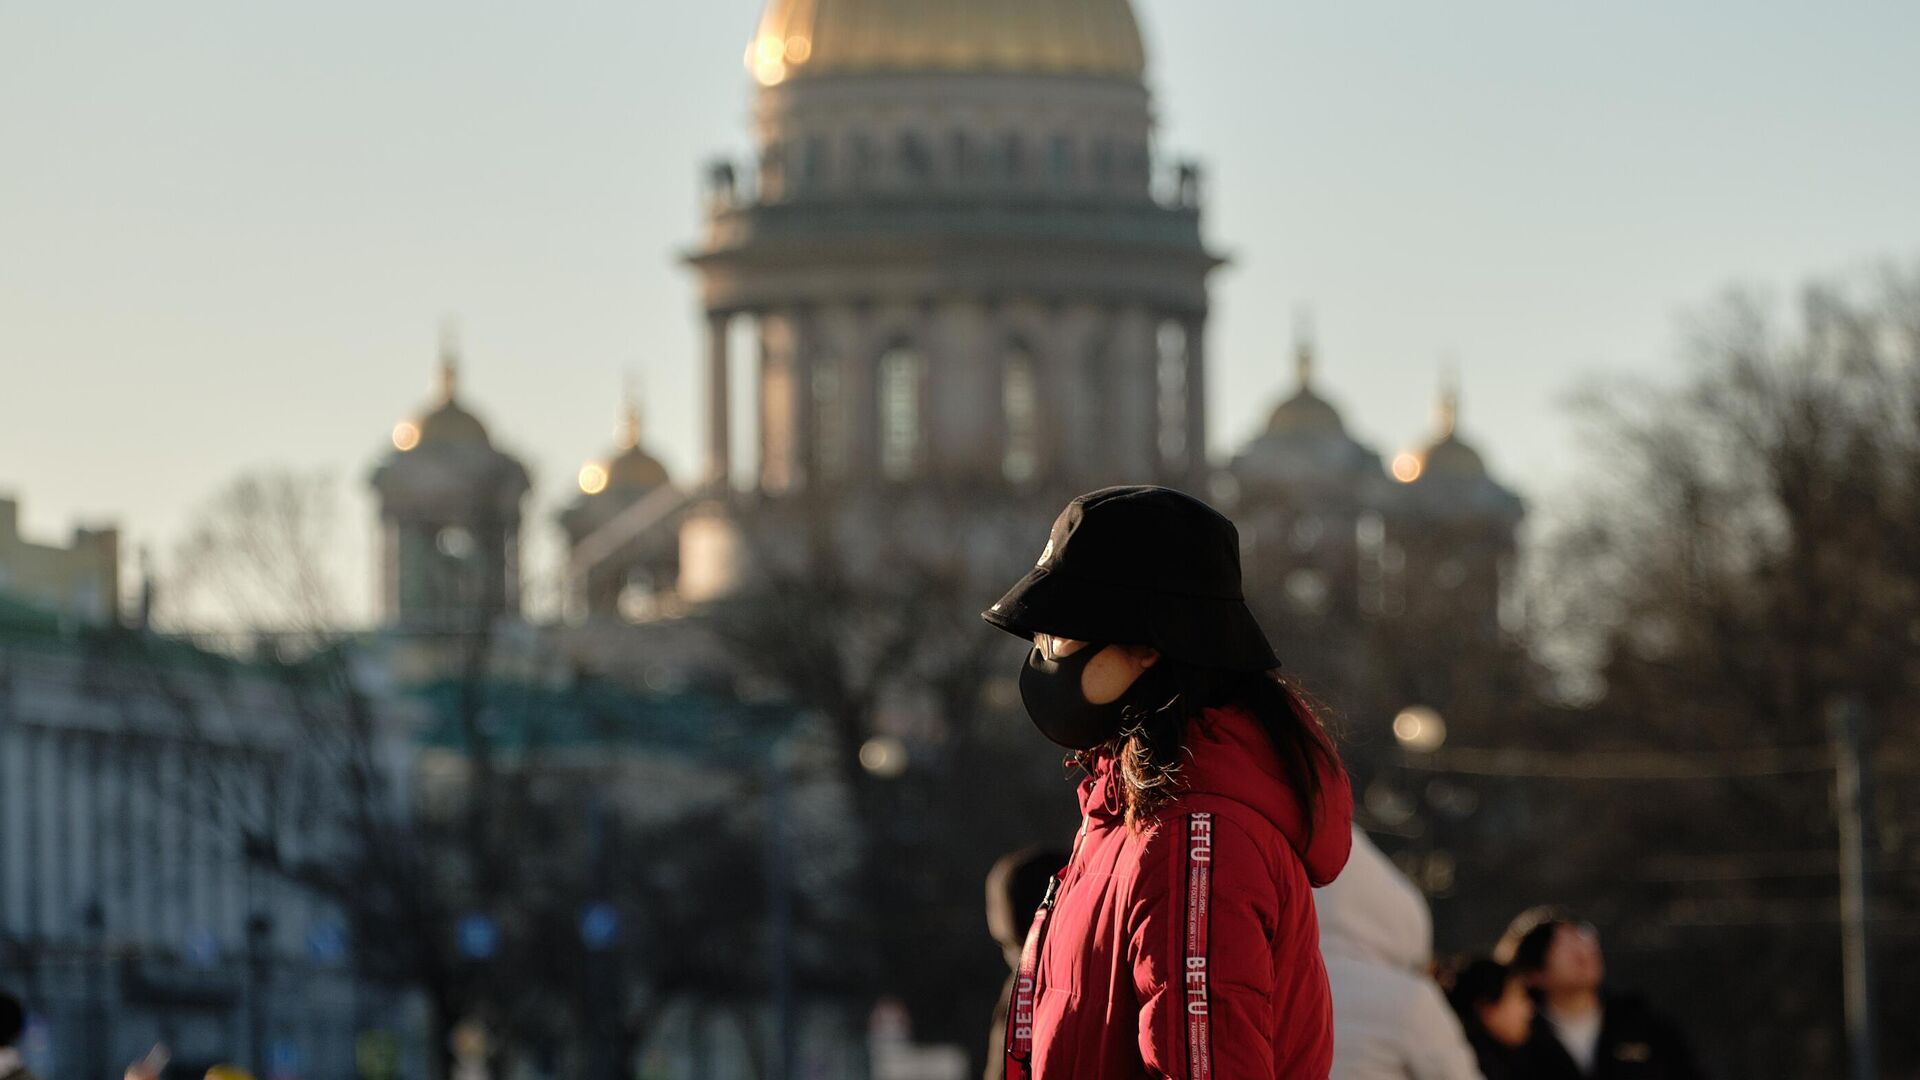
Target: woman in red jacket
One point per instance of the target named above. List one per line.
(1180, 940)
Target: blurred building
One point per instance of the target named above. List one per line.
(971, 287)
(143, 814)
(79, 582)
(449, 516)
(1332, 537)
(958, 283)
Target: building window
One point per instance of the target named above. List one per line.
(901, 435)
(1013, 158)
(962, 151)
(773, 172)
(829, 420)
(1170, 348)
(1093, 428)
(1103, 163)
(813, 162)
(1060, 159)
(862, 162)
(1020, 405)
(916, 164)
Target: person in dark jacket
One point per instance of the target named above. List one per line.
(1496, 1012)
(1015, 888)
(13, 1022)
(1582, 1029)
(1181, 939)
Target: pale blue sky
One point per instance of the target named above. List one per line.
(228, 229)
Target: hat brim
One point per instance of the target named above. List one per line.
(1202, 631)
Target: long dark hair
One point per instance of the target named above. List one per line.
(1151, 742)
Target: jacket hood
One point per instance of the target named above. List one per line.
(1229, 755)
(1373, 913)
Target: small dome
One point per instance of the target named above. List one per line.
(1305, 413)
(1452, 458)
(631, 469)
(635, 469)
(800, 38)
(1447, 456)
(449, 424)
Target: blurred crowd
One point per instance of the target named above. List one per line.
(1534, 1006)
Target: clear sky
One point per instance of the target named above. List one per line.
(228, 230)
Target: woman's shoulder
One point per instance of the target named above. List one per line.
(1212, 828)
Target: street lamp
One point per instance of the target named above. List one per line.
(94, 919)
(884, 756)
(1420, 729)
(259, 944)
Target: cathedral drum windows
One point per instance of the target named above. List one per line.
(1170, 380)
(1060, 163)
(1308, 591)
(863, 162)
(1306, 532)
(902, 435)
(915, 160)
(1020, 405)
(829, 420)
(1013, 158)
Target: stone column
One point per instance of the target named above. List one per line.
(1195, 427)
(859, 392)
(719, 404)
(1134, 382)
(804, 400)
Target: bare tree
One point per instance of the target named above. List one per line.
(877, 631)
(495, 789)
(1744, 555)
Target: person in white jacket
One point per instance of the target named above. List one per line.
(1390, 1020)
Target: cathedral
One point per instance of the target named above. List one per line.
(973, 288)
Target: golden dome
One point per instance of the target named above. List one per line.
(1305, 413)
(631, 469)
(1036, 37)
(1447, 456)
(448, 423)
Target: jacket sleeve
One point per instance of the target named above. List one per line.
(1437, 1048)
(1200, 941)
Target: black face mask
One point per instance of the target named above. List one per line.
(1051, 691)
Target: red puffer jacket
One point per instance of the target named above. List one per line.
(1187, 949)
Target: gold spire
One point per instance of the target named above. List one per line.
(627, 435)
(796, 38)
(1447, 414)
(449, 381)
(1303, 345)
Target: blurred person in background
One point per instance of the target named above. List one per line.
(13, 1022)
(1015, 887)
(1496, 1012)
(1390, 1021)
(1180, 940)
(1581, 1028)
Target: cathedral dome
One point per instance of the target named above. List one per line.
(799, 38)
(1448, 457)
(635, 469)
(1452, 458)
(631, 470)
(449, 424)
(1305, 445)
(1305, 413)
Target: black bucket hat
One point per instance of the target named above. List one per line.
(1141, 566)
